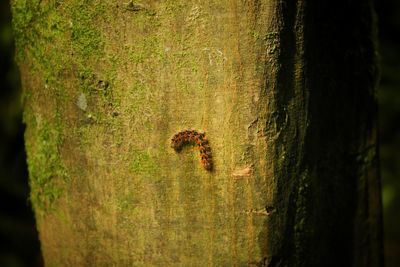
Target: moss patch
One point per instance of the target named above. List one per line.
(57, 42)
(142, 163)
(45, 165)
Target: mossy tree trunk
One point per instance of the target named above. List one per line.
(284, 91)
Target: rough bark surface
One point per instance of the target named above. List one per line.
(284, 91)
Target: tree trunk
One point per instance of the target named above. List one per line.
(284, 91)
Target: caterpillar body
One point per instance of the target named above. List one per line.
(197, 138)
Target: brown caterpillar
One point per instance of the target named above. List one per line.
(197, 138)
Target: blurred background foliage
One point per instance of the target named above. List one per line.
(19, 244)
(389, 124)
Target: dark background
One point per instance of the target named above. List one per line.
(389, 120)
(19, 245)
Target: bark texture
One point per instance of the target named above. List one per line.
(284, 91)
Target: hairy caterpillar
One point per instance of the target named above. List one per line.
(196, 138)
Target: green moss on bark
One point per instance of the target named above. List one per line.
(142, 163)
(54, 40)
(45, 165)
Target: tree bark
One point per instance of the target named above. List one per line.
(284, 90)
